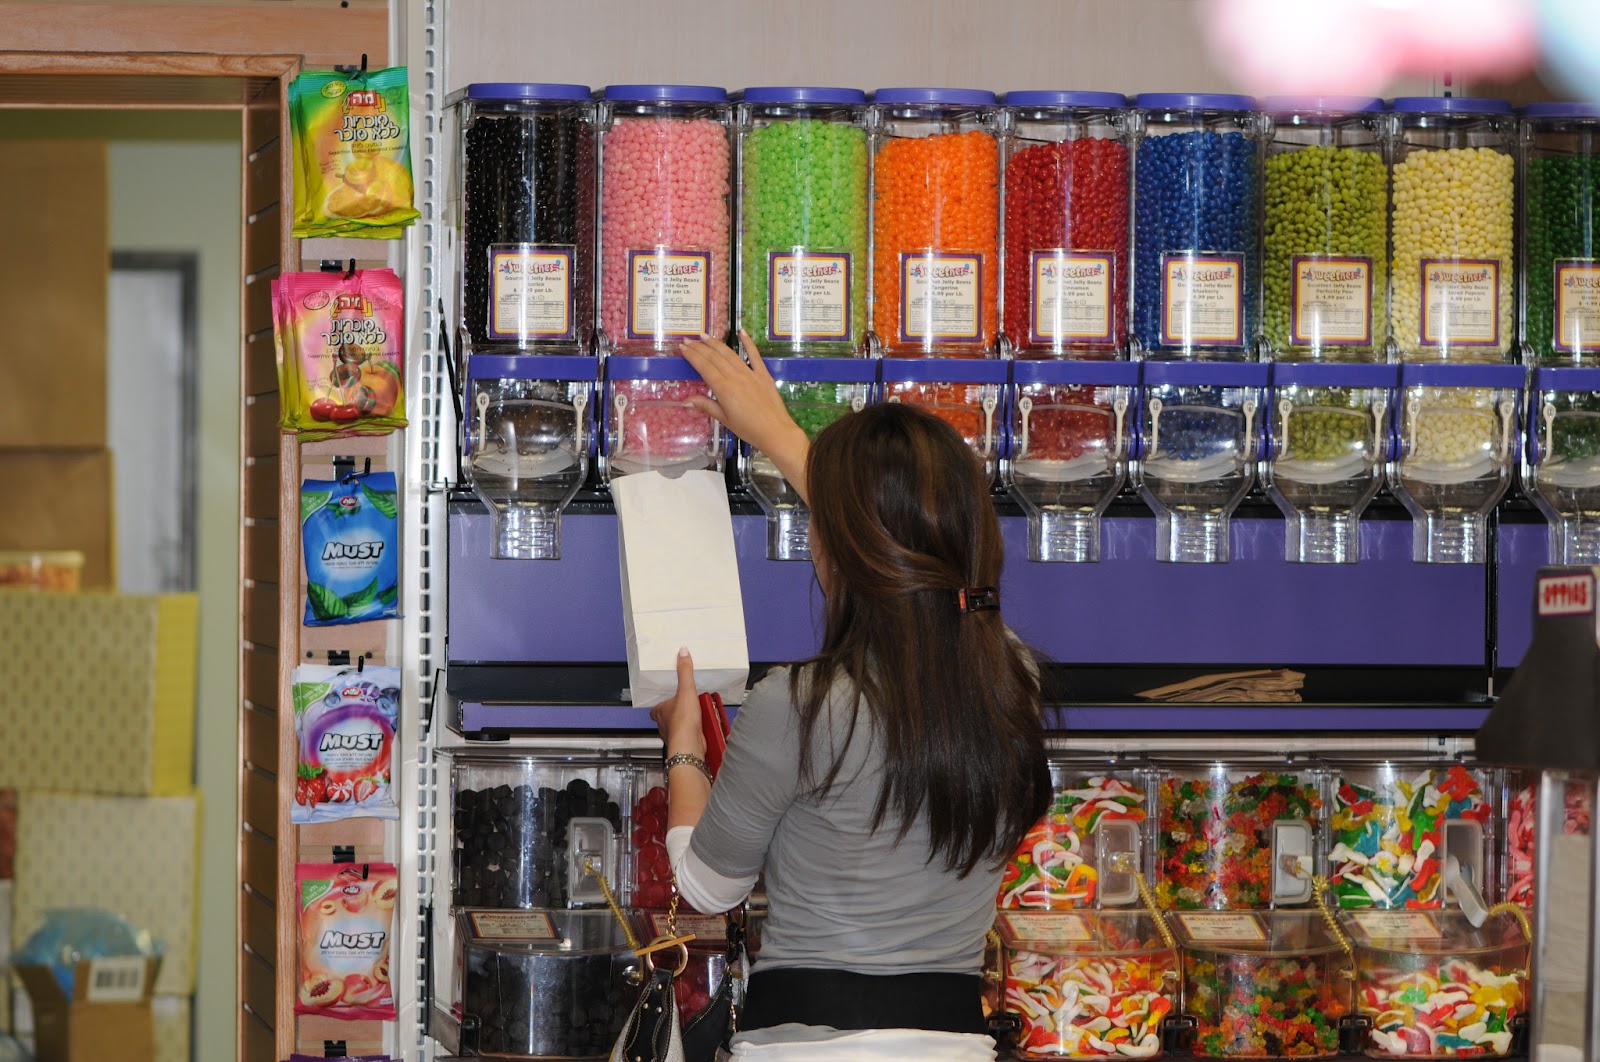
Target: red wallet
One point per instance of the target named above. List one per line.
(714, 723)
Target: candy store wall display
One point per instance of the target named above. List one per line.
(1560, 242)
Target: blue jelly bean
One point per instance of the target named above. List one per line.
(1192, 192)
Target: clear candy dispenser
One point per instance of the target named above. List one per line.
(1264, 984)
(1438, 984)
(529, 436)
(1071, 425)
(523, 213)
(1560, 230)
(817, 392)
(1238, 834)
(964, 393)
(1097, 811)
(1457, 446)
(1562, 469)
(1328, 438)
(1087, 984)
(543, 984)
(1199, 426)
(649, 421)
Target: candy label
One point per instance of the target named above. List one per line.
(705, 928)
(1202, 300)
(1223, 927)
(1071, 296)
(1566, 595)
(1460, 302)
(530, 295)
(940, 296)
(1395, 925)
(1332, 301)
(1048, 928)
(669, 294)
(512, 925)
(808, 296)
(1577, 305)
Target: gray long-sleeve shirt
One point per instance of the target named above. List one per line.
(841, 895)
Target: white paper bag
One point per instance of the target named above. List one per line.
(680, 585)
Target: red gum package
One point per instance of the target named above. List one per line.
(346, 922)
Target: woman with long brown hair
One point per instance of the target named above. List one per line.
(881, 783)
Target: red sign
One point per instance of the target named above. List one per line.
(1566, 595)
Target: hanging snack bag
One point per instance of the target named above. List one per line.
(346, 920)
(340, 344)
(352, 149)
(344, 724)
(351, 533)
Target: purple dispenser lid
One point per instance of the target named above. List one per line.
(959, 97)
(945, 370)
(666, 93)
(532, 367)
(1193, 101)
(1052, 98)
(1321, 104)
(1449, 105)
(801, 94)
(1334, 374)
(1561, 110)
(823, 370)
(527, 90)
(1092, 373)
(1445, 374)
(1566, 379)
(649, 367)
(1206, 373)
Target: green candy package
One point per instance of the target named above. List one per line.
(352, 154)
(351, 532)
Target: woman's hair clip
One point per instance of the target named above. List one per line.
(977, 599)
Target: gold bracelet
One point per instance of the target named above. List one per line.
(689, 759)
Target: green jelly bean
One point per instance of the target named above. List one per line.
(1562, 201)
(1574, 434)
(816, 405)
(1327, 423)
(1322, 201)
(805, 185)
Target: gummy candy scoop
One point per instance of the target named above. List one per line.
(1458, 881)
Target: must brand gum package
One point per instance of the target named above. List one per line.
(346, 922)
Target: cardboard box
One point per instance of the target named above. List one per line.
(107, 1016)
(61, 500)
(131, 856)
(97, 691)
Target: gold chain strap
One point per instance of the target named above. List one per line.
(1122, 863)
(1516, 912)
(611, 902)
(1319, 890)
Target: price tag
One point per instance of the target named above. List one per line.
(713, 928)
(1040, 928)
(1396, 925)
(512, 925)
(119, 980)
(1223, 927)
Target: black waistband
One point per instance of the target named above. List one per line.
(937, 1002)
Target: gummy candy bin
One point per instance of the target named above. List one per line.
(1064, 861)
(561, 998)
(1392, 824)
(1279, 997)
(1518, 849)
(1223, 829)
(1102, 996)
(1449, 991)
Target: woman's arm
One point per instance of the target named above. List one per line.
(678, 720)
(749, 405)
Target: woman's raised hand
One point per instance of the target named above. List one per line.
(748, 404)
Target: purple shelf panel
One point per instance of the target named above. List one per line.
(1128, 609)
(1095, 718)
(1523, 550)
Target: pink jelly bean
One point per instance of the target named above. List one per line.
(659, 424)
(665, 184)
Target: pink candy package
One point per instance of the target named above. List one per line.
(341, 352)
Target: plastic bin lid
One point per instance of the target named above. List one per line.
(667, 93)
(1053, 98)
(527, 90)
(958, 96)
(1193, 101)
(945, 370)
(1445, 374)
(1320, 104)
(1566, 379)
(1334, 374)
(823, 370)
(1449, 105)
(1206, 373)
(649, 367)
(1098, 373)
(532, 367)
(803, 94)
(1569, 109)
